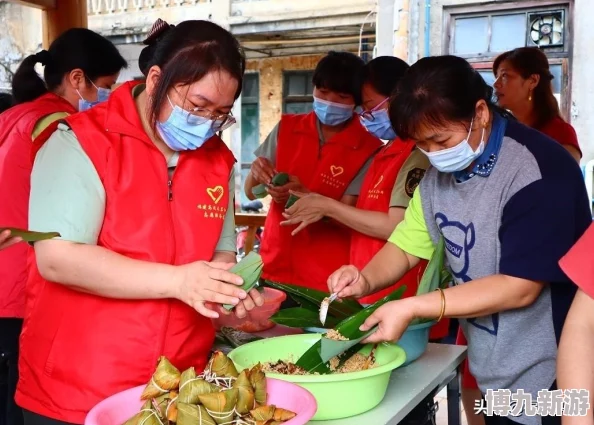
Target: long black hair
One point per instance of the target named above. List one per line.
(188, 52)
(76, 48)
(436, 91)
(528, 61)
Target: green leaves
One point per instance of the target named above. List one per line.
(433, 277)
(260, 191)
(250, 270)
(292, 199)
(312, 360)
(299, 317)
(28, 235)
(280, 179)
(311, 299)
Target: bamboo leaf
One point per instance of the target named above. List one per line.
(349, 328)
(330, 348)
(300, 317)
(280, 179)
(260, 191)
(340, 310)
(292, 199)
(250, 270)
(312, 360)
(29, 235)
(432, 277)
(303, 302)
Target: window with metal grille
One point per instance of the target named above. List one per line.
(297, 92)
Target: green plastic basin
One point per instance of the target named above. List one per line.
(339, 395)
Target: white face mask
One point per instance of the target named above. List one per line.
(456, 158)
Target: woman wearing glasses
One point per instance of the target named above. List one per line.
(140, 189)
(325, 152)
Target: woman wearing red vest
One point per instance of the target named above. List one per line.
(141, 190)
(387, 188)
(325, 151)
(79, 68)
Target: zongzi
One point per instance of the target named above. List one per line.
(190, 387)
(258, 381)
(220, 406)
(222, 366)
(165, 378)
(245, 393)
(188, 414)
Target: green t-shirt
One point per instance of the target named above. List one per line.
(411, 234)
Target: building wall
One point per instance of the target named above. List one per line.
(271, 85)
(582, 85)
(20, 36)
(582, 93)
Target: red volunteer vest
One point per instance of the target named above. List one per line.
(77, 349)
(308, 258)
(375, 196)
(16, 127)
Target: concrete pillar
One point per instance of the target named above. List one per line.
(401, 30)
(384, 28)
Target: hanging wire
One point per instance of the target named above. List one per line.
(361, 30)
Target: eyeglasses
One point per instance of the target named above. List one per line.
(368, 115)
(198, 115)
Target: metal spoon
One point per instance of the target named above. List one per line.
(324, 307)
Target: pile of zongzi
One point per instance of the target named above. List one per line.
(218, 396)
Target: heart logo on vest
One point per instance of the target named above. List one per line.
(215, 193)
(336, 171)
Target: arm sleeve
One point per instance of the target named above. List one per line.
(578, 265)
(66, 192)
(411, 234)
(45, 121)
(354, 187)
(228, 241)
(409, 177)
(538, 229)
(563, 133)
(268, 148)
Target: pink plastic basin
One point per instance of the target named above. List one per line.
(120, 407)
(258, 319)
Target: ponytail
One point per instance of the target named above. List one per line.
(27, 85)
(76, 48)
(158, 30)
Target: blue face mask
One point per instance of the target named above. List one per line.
(380, 126)
(180, 134)
(102, 96)
(330, 113)
(458, 157)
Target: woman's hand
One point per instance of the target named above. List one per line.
(280, 194)
(348, 281)
(262, 170)
(392, 320)
(310, 208)
(203, 283)
(6, 240)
